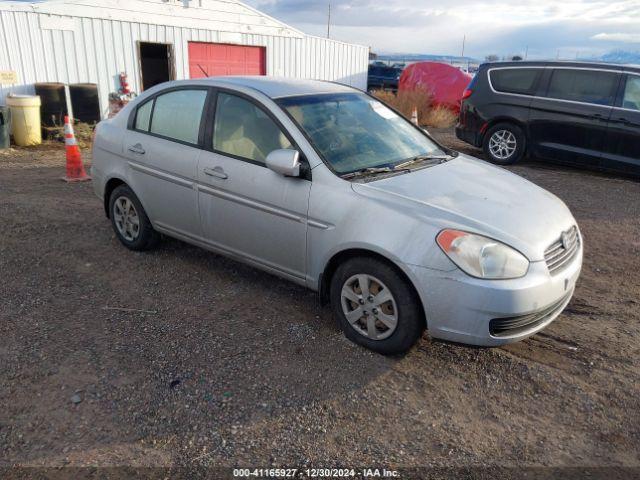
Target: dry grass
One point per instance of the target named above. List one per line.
(440, 117)
(83, 133)
(428, 115)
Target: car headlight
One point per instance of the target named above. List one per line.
(482, 257)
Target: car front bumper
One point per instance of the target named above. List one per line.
(461, 309)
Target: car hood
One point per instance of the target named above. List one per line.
(475, 196)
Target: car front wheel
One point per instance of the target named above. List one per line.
(376, 306)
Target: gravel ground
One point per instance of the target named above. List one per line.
(180, 357)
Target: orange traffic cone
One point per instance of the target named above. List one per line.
(75, 168)
(414, 117)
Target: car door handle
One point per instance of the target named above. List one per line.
(217, 172)
(137, 149)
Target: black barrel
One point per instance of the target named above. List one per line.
(54, 103)
(85, 102)
(5, 127)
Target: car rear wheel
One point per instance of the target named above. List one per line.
(130, 221)
(375, 306)
(505, 144)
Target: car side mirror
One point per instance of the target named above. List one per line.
(284, 162)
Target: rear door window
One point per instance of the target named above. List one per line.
(631, 99)
(177, 115)
(585, 86)
(522, 81)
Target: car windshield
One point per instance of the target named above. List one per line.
(354, 132)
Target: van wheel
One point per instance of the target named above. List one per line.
(375, 306)
(505, 144)
(130, 221)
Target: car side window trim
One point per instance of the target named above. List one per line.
(210, 127)
(201, 133)
(545, 84)
(534, 89)
(536, 85)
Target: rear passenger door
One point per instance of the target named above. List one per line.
(622, 147)
(568, 121)
(162, 146)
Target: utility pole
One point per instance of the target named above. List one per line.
(329, 22)
(526, 52)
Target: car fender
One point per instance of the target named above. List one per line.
(341, 220)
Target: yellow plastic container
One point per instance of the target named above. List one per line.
(25, 119)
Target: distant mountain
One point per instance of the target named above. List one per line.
(621, 56)
(413, 57)
(615, 56)
(618, 56)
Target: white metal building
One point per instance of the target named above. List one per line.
(94, 41)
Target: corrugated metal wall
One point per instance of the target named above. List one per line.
(89, 50)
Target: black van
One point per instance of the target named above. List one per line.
(582, 114)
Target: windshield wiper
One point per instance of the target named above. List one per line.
(400, 168)
(438, 159)
(374, 171)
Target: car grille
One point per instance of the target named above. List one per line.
(560, 254)
(506, 327)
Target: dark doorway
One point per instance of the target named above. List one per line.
(156, 63)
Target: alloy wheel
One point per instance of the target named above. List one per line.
(503, 144)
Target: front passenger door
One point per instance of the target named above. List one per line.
(247, 210)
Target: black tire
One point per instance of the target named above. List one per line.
(410, 317)
(520, 138)
(147, 238)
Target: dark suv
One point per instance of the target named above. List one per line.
(382, 77)
(582, 114)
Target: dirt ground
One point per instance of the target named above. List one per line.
(180, 357)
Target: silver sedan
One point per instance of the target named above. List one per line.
(325, 186)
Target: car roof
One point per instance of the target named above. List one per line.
(275, 87)
(558, 63)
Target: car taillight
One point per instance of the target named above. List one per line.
(467, 93)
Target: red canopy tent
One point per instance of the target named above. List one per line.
(445, 83)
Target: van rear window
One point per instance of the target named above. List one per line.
(515, 80)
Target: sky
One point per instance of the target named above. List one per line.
(549, 28)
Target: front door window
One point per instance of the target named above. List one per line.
(244, 130)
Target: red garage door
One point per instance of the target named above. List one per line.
(215, 59)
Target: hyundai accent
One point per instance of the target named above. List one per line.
(323, 185)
